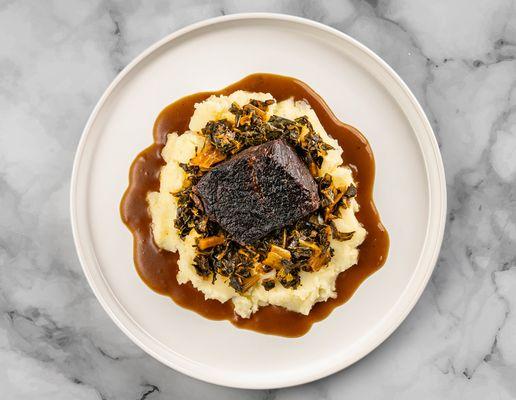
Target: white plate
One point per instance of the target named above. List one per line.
(362, 91)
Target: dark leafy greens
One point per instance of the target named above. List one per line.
(284, 253)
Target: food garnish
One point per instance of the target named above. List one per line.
(266, 247)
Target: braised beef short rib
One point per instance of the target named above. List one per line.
(260, 189)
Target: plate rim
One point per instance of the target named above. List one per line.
(196, 370)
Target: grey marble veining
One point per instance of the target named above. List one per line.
(56, 58)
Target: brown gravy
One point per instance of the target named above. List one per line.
(158, 268)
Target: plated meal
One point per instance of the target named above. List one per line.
(254, 204)
(278, 254)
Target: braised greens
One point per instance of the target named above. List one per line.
(284, 253)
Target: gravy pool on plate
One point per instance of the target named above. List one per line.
(281, 278)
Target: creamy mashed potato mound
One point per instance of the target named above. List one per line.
(315, 286)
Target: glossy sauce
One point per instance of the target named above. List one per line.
(158, 268)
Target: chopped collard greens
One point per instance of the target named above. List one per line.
(284, 253)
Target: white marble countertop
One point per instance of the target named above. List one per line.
(57, 57)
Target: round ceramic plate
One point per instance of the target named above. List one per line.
(363, 91)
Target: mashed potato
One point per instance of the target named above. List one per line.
(315, 286)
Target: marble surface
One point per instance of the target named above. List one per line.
(57, 57)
